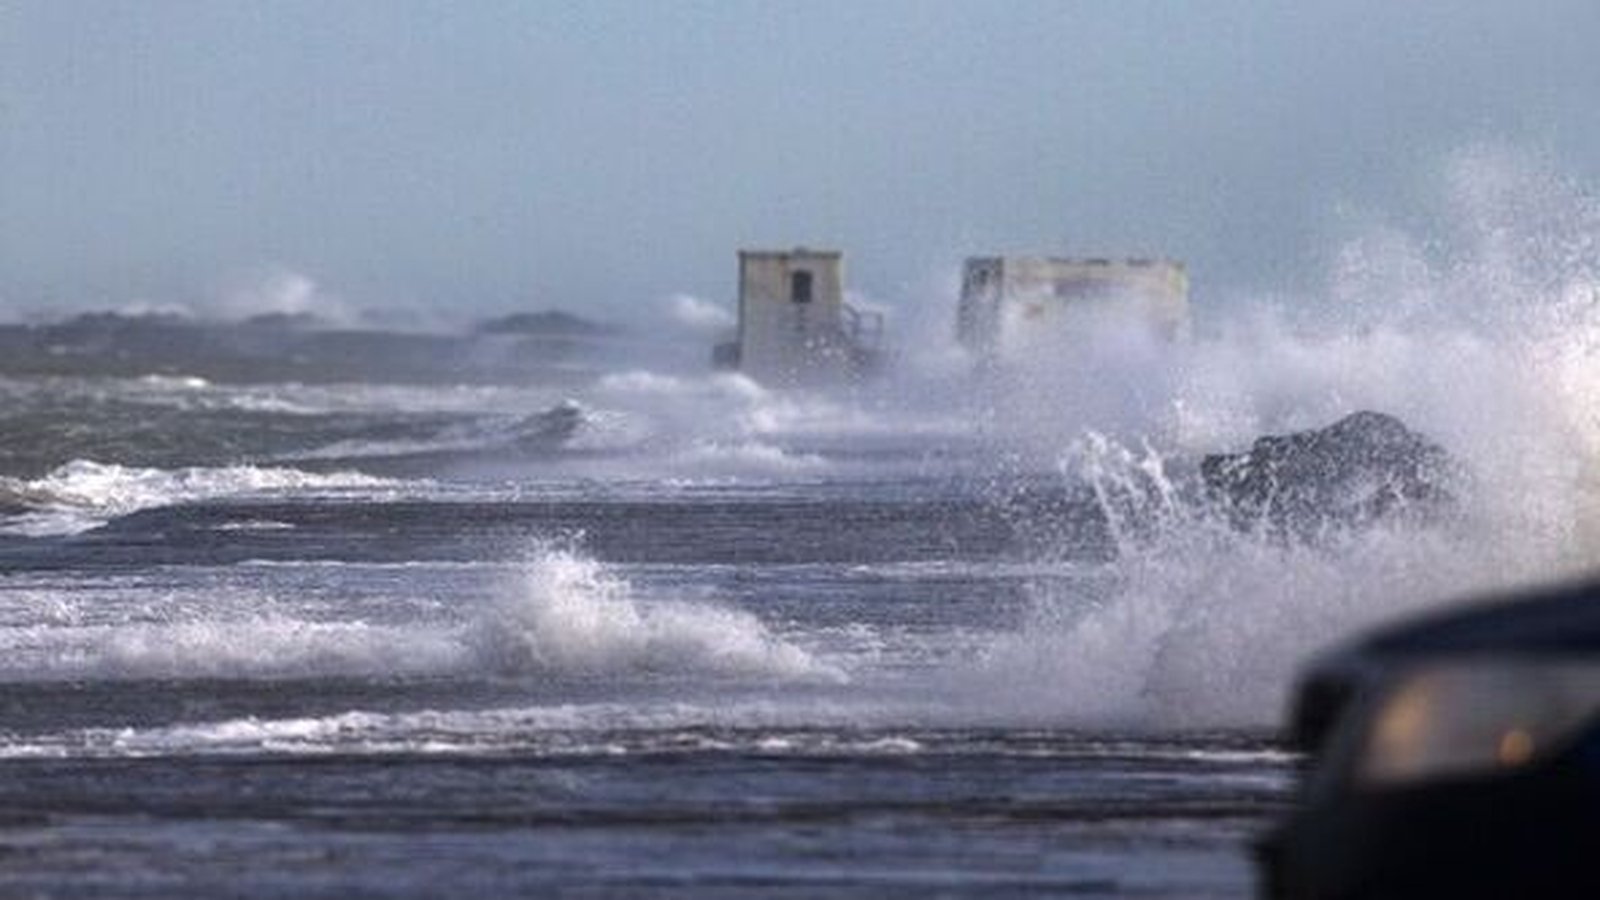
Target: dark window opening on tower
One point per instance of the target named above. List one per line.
(800, 287)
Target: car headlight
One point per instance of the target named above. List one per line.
(1475, 716)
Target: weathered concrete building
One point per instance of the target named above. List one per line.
(794, 324)
(1011, 303)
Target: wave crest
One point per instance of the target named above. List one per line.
(572, 615)
(84, 494)
(567, 616)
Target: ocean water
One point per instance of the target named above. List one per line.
(518, 670)
(649, 630)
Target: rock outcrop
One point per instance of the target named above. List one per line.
(1362, 469)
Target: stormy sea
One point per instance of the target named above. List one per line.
(300, 607)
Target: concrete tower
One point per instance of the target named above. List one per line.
(1012, 303)
(794, 326)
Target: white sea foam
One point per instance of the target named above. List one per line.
(719, 427)
(84, 494)
(555, 730)
(833, 726)
(257, 647)
(174, 382)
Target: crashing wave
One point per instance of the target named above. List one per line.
(1225, 571)
(1366, 470)
(572, 615)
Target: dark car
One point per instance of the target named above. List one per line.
(1454, 756)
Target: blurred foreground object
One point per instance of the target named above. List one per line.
(1454, 756)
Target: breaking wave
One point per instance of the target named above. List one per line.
(84, 494)
(563, 615)
(573, 615)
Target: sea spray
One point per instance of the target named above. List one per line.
(1197, 622)
(1485, 337)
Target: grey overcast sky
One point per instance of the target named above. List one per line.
(488, 156)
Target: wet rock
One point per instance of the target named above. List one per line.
(1363, 468)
